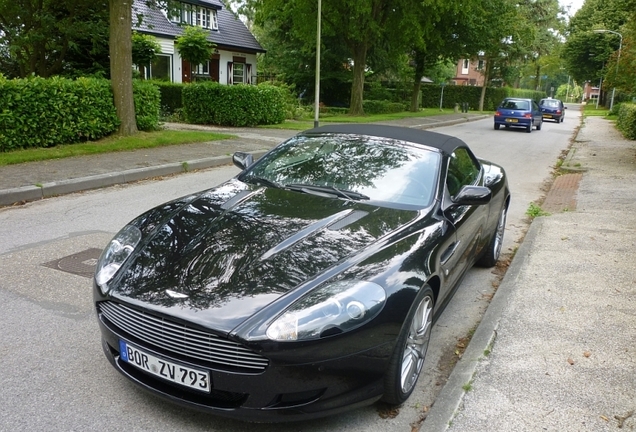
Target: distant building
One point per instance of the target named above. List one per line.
(590, 91)
(470, 72)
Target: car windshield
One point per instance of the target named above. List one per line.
(352, 166)
(515, 104)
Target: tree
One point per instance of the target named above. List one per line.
(120, 48)
(369, 30)
(194, 46)
(144, 50)
(39, 36)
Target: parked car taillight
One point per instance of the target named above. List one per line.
(528, 115)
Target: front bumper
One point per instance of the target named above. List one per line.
(284, 391)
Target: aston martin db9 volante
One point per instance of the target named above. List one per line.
(307, 284)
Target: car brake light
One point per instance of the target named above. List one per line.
(497, 113)
(528, 115)
(558, 111)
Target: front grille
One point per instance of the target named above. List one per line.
(179, 339)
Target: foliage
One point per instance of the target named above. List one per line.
(144, 49)
(459, 94)
(49, 37)
(587, 53)
(626, 121)
(147, 103)
(39, 112)
(239, 105)
(573, 92)
(171, 96)
(382, 107)
(194, 46)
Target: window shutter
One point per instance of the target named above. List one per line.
(248, 73)
(230, 73)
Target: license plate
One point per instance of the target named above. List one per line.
(547, 116)
(186, 376)
(509, 120)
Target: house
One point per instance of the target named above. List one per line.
(469, 72)
(234, 59)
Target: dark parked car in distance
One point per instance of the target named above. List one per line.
(309, 283)
(552, 109)
(518, 112)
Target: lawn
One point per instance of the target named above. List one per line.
(111, 144)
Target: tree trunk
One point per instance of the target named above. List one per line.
(120, 42)
(417, 80)
(487, 71)
(357, 88)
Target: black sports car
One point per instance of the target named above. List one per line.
(307, 284)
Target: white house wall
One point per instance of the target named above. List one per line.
(168, 47)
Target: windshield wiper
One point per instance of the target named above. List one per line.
(265, 181)
(343, 193)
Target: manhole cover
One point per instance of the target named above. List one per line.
(81, 264)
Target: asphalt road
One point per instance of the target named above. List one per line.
(53, 373)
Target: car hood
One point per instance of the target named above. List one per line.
(225, 254)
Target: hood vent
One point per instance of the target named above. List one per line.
(348, 220)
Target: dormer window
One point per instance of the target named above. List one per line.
(195, 15)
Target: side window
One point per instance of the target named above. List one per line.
(462, 171)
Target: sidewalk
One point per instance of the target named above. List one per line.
(36, 180)
(556, 348)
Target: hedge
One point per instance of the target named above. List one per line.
(147, 102)
(382, 107)
(626, 121)
(39, 112)
(459, 94)
(237, 105)
(171, 96)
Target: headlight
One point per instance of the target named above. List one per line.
(115, 254)
(330, 310)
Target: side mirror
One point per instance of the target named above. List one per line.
(472, 195)
(564, 107)
(242, 160)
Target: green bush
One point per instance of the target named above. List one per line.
(238, 105)
(171, 96)
(38, 112)
(147, 101)
(626, 121)
(382, 107)
(471, 94)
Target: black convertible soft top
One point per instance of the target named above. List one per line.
(446, 143)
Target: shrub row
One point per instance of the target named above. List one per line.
(382, 107)
(171, 96)
(460, 94)
(39, 112)
(239, 105)
(626, 121)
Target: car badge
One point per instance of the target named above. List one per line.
(176, 295)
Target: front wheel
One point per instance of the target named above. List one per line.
(493, 250)
(410, 350)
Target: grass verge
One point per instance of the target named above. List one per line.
(305, 123)
(141, 140)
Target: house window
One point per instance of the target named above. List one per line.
(160, 68)
(202, 69)
(193, 15)
(238, 73)
(465, 66)
(480, 65)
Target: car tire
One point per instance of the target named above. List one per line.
(529, 128)
(496, 126)
(409, 353)
(493, 250)
(540, 125)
